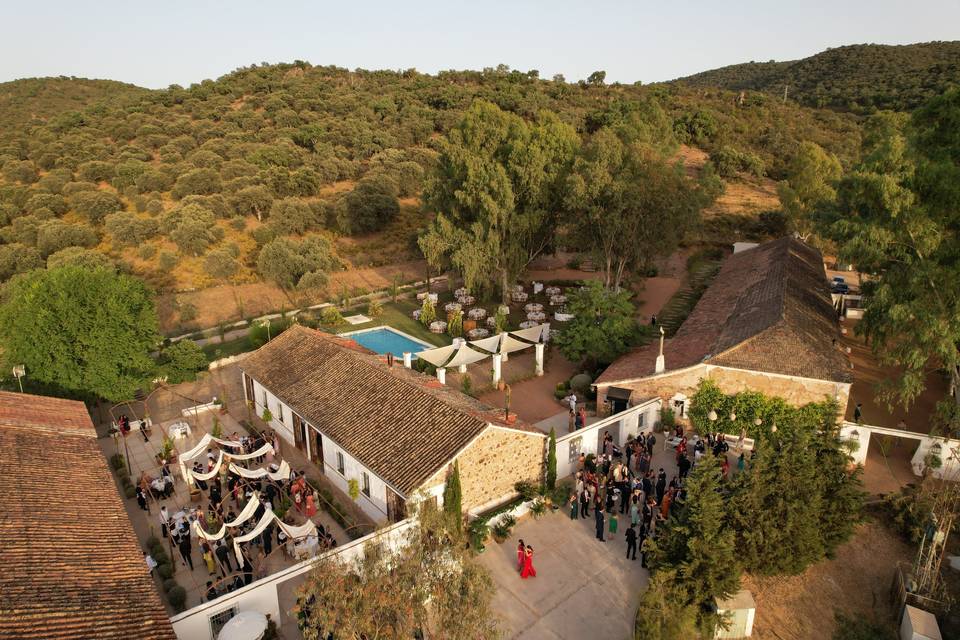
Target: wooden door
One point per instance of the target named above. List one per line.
(396, 506)
(299, 435)
(316, 448)
(248, 384)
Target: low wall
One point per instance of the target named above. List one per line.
(622, 426)
(947, 449)
(262, 595)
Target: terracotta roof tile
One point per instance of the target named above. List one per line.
(399, 423)
(70, 564)
(769, 309)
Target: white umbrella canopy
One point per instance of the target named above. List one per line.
(532, 334)
(439, 356)
(465, 355)
(246, 625)
(509, 344)
(491, 344)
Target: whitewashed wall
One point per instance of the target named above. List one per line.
(949, 449)
(194, 624)
(622, 426)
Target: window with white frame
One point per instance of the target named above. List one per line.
(340, 465)
(366, 484)
(218, 620)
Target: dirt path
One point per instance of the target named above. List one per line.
(856, 582)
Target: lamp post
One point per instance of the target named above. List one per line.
(18, 372)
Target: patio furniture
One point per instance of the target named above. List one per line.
(558, 299)
(179, 430)
(468, 325)
(537, 287)
(416, 314)
(533, 306)
(536, 316)
(552, 291)
(563, 317)
(517, 288)
(462, 291)
(519, 296)
(528, 324)
(504, 309)
(421, 296)
(476, 334)
(477, 314)
(245, 625)
(452, 306)
(466, 300)
(438, 326)
(492, 322)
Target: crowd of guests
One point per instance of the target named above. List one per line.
(622, 484)
(225, 495)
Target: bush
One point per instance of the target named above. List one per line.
(331, 317)
(478, 530)
(164, 569)
(117, 461)
(167, 262)
(125, 482)
(152, 542)
(169, 584)
(526, 489)
(181, 361)
(178, 598)
(668, 419)
(538, 508)
(501, 530)
(581, 382)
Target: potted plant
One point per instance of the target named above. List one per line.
(478, 531)
(167, 454)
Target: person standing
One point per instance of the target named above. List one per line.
(634, 512)
(223, 557)
(631, 535)
(164, 521)
(584, 503)
(208, 559)
(528, 571)
(521, 554)
(598, 519)
(151, 563)
(142, 500)
(185, 547)
(684, 466)
(644, 547)
(574, 507)
(661, 485)
(858, 413)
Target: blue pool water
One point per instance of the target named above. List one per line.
(385, 340)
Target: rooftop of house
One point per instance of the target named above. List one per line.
(401, 424)
(70, 564)
(769, 309)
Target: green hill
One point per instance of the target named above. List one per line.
(861, 78)
(184, 186)
(33, 101)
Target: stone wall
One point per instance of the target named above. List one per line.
(493, 463)
(796, 391)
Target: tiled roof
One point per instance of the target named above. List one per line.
(402, 425)
(70, 565)
(769, 309)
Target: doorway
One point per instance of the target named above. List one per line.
(316, 448)
(396, 506)
(299, 433)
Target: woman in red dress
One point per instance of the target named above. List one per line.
(521, 548)
(528, 570)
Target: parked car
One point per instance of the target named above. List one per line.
(839, 287)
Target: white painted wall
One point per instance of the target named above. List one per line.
(194, 624)
(622, 426)
(949, 448)
(374, 505)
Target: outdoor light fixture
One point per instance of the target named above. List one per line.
(18, 372)
(733, 416)
(773, 428)
(758, 422)
(712, 416)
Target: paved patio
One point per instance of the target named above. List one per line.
(583, 589)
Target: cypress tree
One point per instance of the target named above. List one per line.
(452, 498)
(552, 460)
(696, 542)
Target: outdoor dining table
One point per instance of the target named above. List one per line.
(452, 306)
(466, 300)
(552, 291)
(536, 316)
(462, 291)
(558, 299)
(527, 324)
(180, 430)
(519, 296)
(477, 314)
(533, 306)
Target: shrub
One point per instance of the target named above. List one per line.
(466, 385)
(167, 262)
(168, 584)
(501, 530)
(478, 532)
(164, 569)
(427, 312)
(130, 492)
(331, 317)
(181, 361)
(267, 415)
(178, 598)
(538, 508)
(147, 251)
(117, 461)
(668, 418)
(526, 489)
(152, 542)
(581, 382)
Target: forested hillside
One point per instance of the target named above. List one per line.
(861, 78)
(286, 172)
(33, 101)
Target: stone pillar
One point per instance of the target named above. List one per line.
(442, 375)
(462, 368)
(496, 368)
(539, 357)
(407, 359)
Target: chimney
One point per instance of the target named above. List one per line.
(660, 367)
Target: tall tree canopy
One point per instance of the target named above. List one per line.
(497, 191)
(898, 216)
(627, 204)
(603, 327)
(87, 332)
(812, 175)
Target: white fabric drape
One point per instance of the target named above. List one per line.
(209, 474)
(200, 447)
(283, 473)
(262, 451)
(248, 510)
(302, 531)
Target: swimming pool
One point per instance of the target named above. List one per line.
(387, 340)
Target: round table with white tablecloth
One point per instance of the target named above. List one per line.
(558, 299)
(537, 316)
(462, 291)
(416, 314)
(477, 314)
(179, 430)
(438, 326)
(519, 296)
(476, 334)
(466, 300)
(528, 324)
(562, 317)
(552, 291)
(245, 625)
(532, 306)
(492, 322)
(450, 307)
